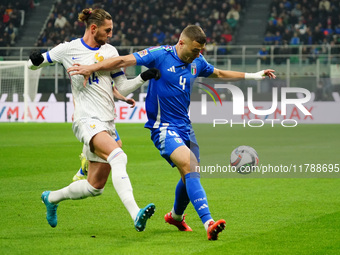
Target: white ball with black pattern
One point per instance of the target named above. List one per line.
(244, 158)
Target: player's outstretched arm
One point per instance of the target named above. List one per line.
(233, 75)
(37, 60)
(105, 65)
(119, 96)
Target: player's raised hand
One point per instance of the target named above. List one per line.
(36, 57)
(260, 75)
(78, 69)
(269, 73)
(152, 73)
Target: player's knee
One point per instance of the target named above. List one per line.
(184, 167)
(94, 192)
(117, 156)
(122, 158)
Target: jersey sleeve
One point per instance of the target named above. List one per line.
(116, 73)
(206, 68)
(145, 58)
(57, 53)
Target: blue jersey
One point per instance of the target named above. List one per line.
(168, 99)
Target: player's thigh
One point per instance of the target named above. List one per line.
(98, 173)
(102, 144)
(166, 141)
(193, 145)
(184, 159)
(98, 136)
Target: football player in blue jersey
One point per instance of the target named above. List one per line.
(167, 105)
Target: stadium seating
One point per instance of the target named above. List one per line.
(160, 22)
(12, 15)
(312, 22)
(148, 24)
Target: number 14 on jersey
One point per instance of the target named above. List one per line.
(93, 79)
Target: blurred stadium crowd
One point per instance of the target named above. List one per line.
(302, 22)
(146, 23)
(11, 19)
(140, 23)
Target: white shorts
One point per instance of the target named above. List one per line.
(85, 129)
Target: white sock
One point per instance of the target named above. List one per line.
(206, 224)
(176, 216)
(76, 190)
(121, 182)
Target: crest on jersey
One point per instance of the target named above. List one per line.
(142, 53)
(193, 69)
(98, 58)
(168, 48)
(178, 140)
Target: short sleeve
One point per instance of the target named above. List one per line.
(57, 53)
(206, 68)
(145, 58)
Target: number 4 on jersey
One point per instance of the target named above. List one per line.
(173, 133)
(182, 82)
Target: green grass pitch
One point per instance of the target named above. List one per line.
(264, 215)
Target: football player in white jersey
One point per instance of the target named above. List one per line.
(94, 117)
(84, 163)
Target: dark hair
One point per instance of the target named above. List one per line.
(195, 33)
(97, 16)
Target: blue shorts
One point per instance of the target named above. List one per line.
(168, 139)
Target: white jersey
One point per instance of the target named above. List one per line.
(96, 99)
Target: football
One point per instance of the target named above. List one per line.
(243, 158)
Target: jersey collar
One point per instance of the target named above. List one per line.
(87, 46)
(175, 51)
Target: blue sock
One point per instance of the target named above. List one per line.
(181, 198)
(197, 195)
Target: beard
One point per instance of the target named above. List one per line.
(99, 41)
(188, 60)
